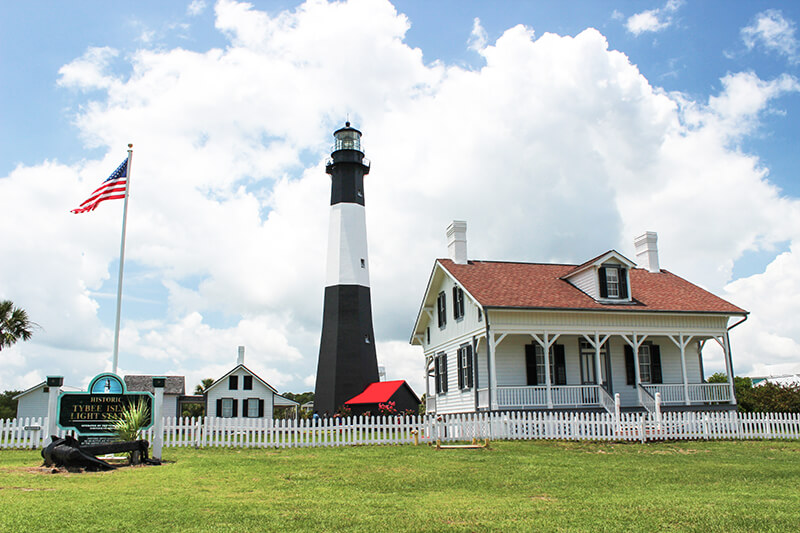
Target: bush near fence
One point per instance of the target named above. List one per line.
(519, 425)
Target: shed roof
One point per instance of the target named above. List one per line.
(174, 384)
(379, 392)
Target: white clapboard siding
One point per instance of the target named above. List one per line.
(382, 430)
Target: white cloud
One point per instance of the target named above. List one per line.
(652, 20)
(478, 37)
(774, 32)
(556, 149)
(196, 7)
(88, 72)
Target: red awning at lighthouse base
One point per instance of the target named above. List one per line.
(380, 392)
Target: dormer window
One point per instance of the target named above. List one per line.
(613, 282)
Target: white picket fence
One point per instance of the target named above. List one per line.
(519, 425)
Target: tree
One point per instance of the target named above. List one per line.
(14, 324)
(194, 410)
(8, 406)
(203, 386)
(742, 389)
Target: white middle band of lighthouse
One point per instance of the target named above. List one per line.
(347, 246)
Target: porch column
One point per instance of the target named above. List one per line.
(427, 383)
(729, 365)
(547, 376)
(682, 343)
(598, 368)
(493, 371)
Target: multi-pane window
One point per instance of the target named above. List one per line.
(645, 375)
(227, 408)
(441, 309)
(252, 408)
(612, 282)
(465, 374)
(458, 303)
(440, 372)
(540, 362)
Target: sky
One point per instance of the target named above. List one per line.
(557, 130)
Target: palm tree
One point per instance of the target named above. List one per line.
(14, 324)
(203, 386)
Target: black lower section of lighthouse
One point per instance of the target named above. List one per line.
(347, 359)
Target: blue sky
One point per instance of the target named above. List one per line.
(222, 104)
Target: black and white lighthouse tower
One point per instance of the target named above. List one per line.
(347, 361)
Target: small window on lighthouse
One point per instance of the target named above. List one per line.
(363, 264)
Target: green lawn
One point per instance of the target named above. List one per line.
(514, 486)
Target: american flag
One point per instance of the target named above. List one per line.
(111, 189)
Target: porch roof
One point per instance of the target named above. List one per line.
(539, 286)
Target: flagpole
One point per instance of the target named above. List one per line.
(122, 259)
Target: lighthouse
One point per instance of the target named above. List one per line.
(347, 361)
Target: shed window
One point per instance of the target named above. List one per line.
(227, 408)
(252, 407)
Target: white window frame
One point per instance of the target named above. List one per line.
(251, 404)
(645, 372)
(227, 408)
(540, 364)
(612, 282)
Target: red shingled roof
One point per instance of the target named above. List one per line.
(536, 285)
(379, 392)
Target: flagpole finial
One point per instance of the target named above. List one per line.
(130, 145)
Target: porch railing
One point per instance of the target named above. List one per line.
(606, 400)
(647, 399)
(673, 393)
(483, 398)
(536, 396)
(430, 404)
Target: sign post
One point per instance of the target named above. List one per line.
(54, 384)
(158, 412)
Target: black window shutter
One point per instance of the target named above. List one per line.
(623, 283)
(219, 407)
(560, 364)
(235, 408)
(245, 410)
(470, 377)
(655, 364)
(233, 382)
(601, 276)
(530, 364)
(630, 372)
(444, 372)
(437, 379)
(247, 382)
(260, 408)
(455, 303)
(461, 366)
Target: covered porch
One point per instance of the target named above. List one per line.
(600, 370)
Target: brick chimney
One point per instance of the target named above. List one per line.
(457, 241)
(647, 251)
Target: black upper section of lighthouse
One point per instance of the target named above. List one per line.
(347, 167)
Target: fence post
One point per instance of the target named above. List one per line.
(54, 383)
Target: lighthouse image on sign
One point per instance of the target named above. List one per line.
(347, 361)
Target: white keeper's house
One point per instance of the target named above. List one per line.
(240, 393)
(501, 336)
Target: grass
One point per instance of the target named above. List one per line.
(514, 486)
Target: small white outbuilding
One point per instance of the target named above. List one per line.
(241, 393)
